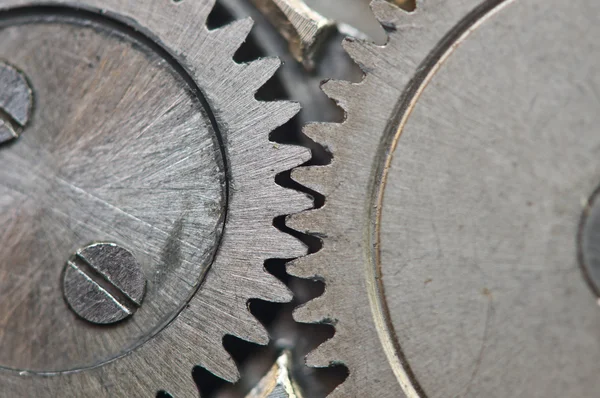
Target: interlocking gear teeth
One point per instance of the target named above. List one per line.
(222, 301)
(316, 178)
(255, 195)
(220, 307)
(429, 64)
(324, 134)
(390, 15)
(388, 70)
(305, 222)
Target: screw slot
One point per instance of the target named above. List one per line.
(16, 102)
(103, 283)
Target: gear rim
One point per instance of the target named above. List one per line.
(65, 18)
(417, 34)
(189, 334)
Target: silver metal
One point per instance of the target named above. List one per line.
(278, 382)
(16, 102)
(453, 204)
(147, 134)
(99, 164)
(304, 29)
(103, 283)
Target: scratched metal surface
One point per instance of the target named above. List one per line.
(106, 158)
(122, 146)
(458, 274)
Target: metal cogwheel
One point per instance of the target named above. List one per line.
(461, 216)
(137, 196)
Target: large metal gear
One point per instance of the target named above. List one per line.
(146, 136)
(461, 214)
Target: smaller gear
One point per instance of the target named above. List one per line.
(139, 195)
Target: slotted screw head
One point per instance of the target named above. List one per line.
(103, 283)
(16, 102)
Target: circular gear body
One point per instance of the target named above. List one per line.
(106, 158)
(464, 176)
(143, 133)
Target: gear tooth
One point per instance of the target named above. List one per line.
(200, 331)
(219, 362)
(204, 10)
(287, 245)
(291, 247)
(364, 53)
(312, 312)
(295, 201)
(305, 221)
(257, 73)
(227, 303)
(289, 156)
(279, 113)
(163, 362)
(253, 331)
(324, 355)
(230, 37)
(387, 14)
(339, 91)
(298, 202)
(266, 116)
(317, 178)
(342, 391)
(324, 134)
(307, 267)
(256, 120)
(278, 292)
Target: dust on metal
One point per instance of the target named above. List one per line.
(16, 102)
(103, 283)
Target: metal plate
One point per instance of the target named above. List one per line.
(180, 67)
(458, 274)
(482, 204)
(119, 149)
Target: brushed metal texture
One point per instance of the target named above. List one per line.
(145, 133)
(453, 202)
(103, 283)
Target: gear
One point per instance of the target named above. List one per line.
(146, 135)
(460, 205)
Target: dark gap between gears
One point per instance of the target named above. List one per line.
(242, 352)
(254, 360)
(407, 5)
(208, 384)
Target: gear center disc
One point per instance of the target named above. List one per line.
(119, 148)
(483, 196)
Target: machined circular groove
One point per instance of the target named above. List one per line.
(410, 341)
(219, 307)
(427, 71)
(102, 195)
